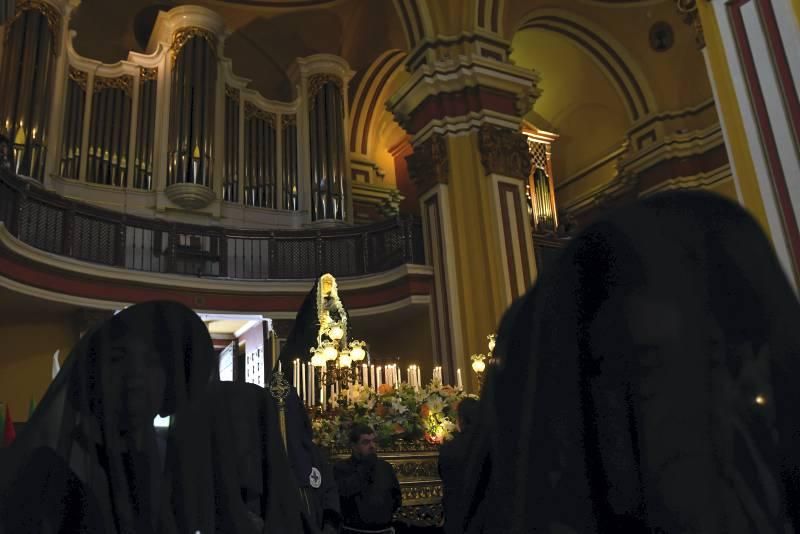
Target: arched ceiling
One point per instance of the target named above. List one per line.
(579, 101)
(266, 36)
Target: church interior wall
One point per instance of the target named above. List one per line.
(29, 341)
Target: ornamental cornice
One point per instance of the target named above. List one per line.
(462, 75)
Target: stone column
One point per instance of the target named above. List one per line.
(752, 50)
(469, 165)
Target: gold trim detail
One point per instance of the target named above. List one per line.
(125, 83)
(53, 19)
(232, 93)
(184, 35)
(317, 81)
(253, 112)
(78, 76)
(504, 151)
(288, 120)
(147, 75)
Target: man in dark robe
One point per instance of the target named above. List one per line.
(88, 460)
(649, 382)
(368, 486)
(453, 457)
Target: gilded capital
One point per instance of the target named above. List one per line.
(429, 165)
(504, 151)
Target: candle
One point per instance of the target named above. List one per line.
(374, 376)
(458, 375)
(279, 366)
(380, 376)
(400, 375)
(364, 375)
(321, 390)
(324, 390)
(311, 387)
(303, 381)
(419, 377)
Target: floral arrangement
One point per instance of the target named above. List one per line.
(400, 416)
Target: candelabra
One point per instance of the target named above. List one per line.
(479, 361)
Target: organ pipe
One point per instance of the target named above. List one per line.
(326, 147)
(290, 185)
(145, 131)
(109, 131)
(260, 158)
(230, 189)
(191, 136)
(28, 61)
(73, 124)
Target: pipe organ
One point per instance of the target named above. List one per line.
(191, 111)
(260, 149)
(175, 122)
(30, 48)
(326, 146)
(539, 189)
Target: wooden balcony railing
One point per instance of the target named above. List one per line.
(76, 230)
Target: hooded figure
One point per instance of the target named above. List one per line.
(229, 445)
(89, 459)
(649, 383)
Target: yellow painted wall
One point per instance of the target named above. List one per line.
(577, 99)
(26, 362)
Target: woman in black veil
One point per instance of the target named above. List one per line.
(89, 458)
(660, 361)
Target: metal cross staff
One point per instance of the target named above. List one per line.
(279, 388)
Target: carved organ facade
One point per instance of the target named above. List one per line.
(174, 125)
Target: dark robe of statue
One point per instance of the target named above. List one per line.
(649, 383)
(89, 459)
(230, 446)
(320, 504)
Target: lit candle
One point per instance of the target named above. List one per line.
(458, 377)
(324, 390)
(279, 367)
(364, 375)
(400, 375)
(311, 388)
(419, 377)
(374, 376)
(380, 376)
(303, 382)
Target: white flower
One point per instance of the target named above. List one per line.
(436, 404)
(398, 406)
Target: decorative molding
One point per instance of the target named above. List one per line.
(251, 111)
(78, 76)
(688, 12)
(233, 93)
(455, 91)
(504, 152)
(148, 74)
(702, 180)
(125, 83)
(429, 164)
(190, 196)
(184, 35)
(288, 120)
(317, 81)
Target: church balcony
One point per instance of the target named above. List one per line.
(87, 233)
